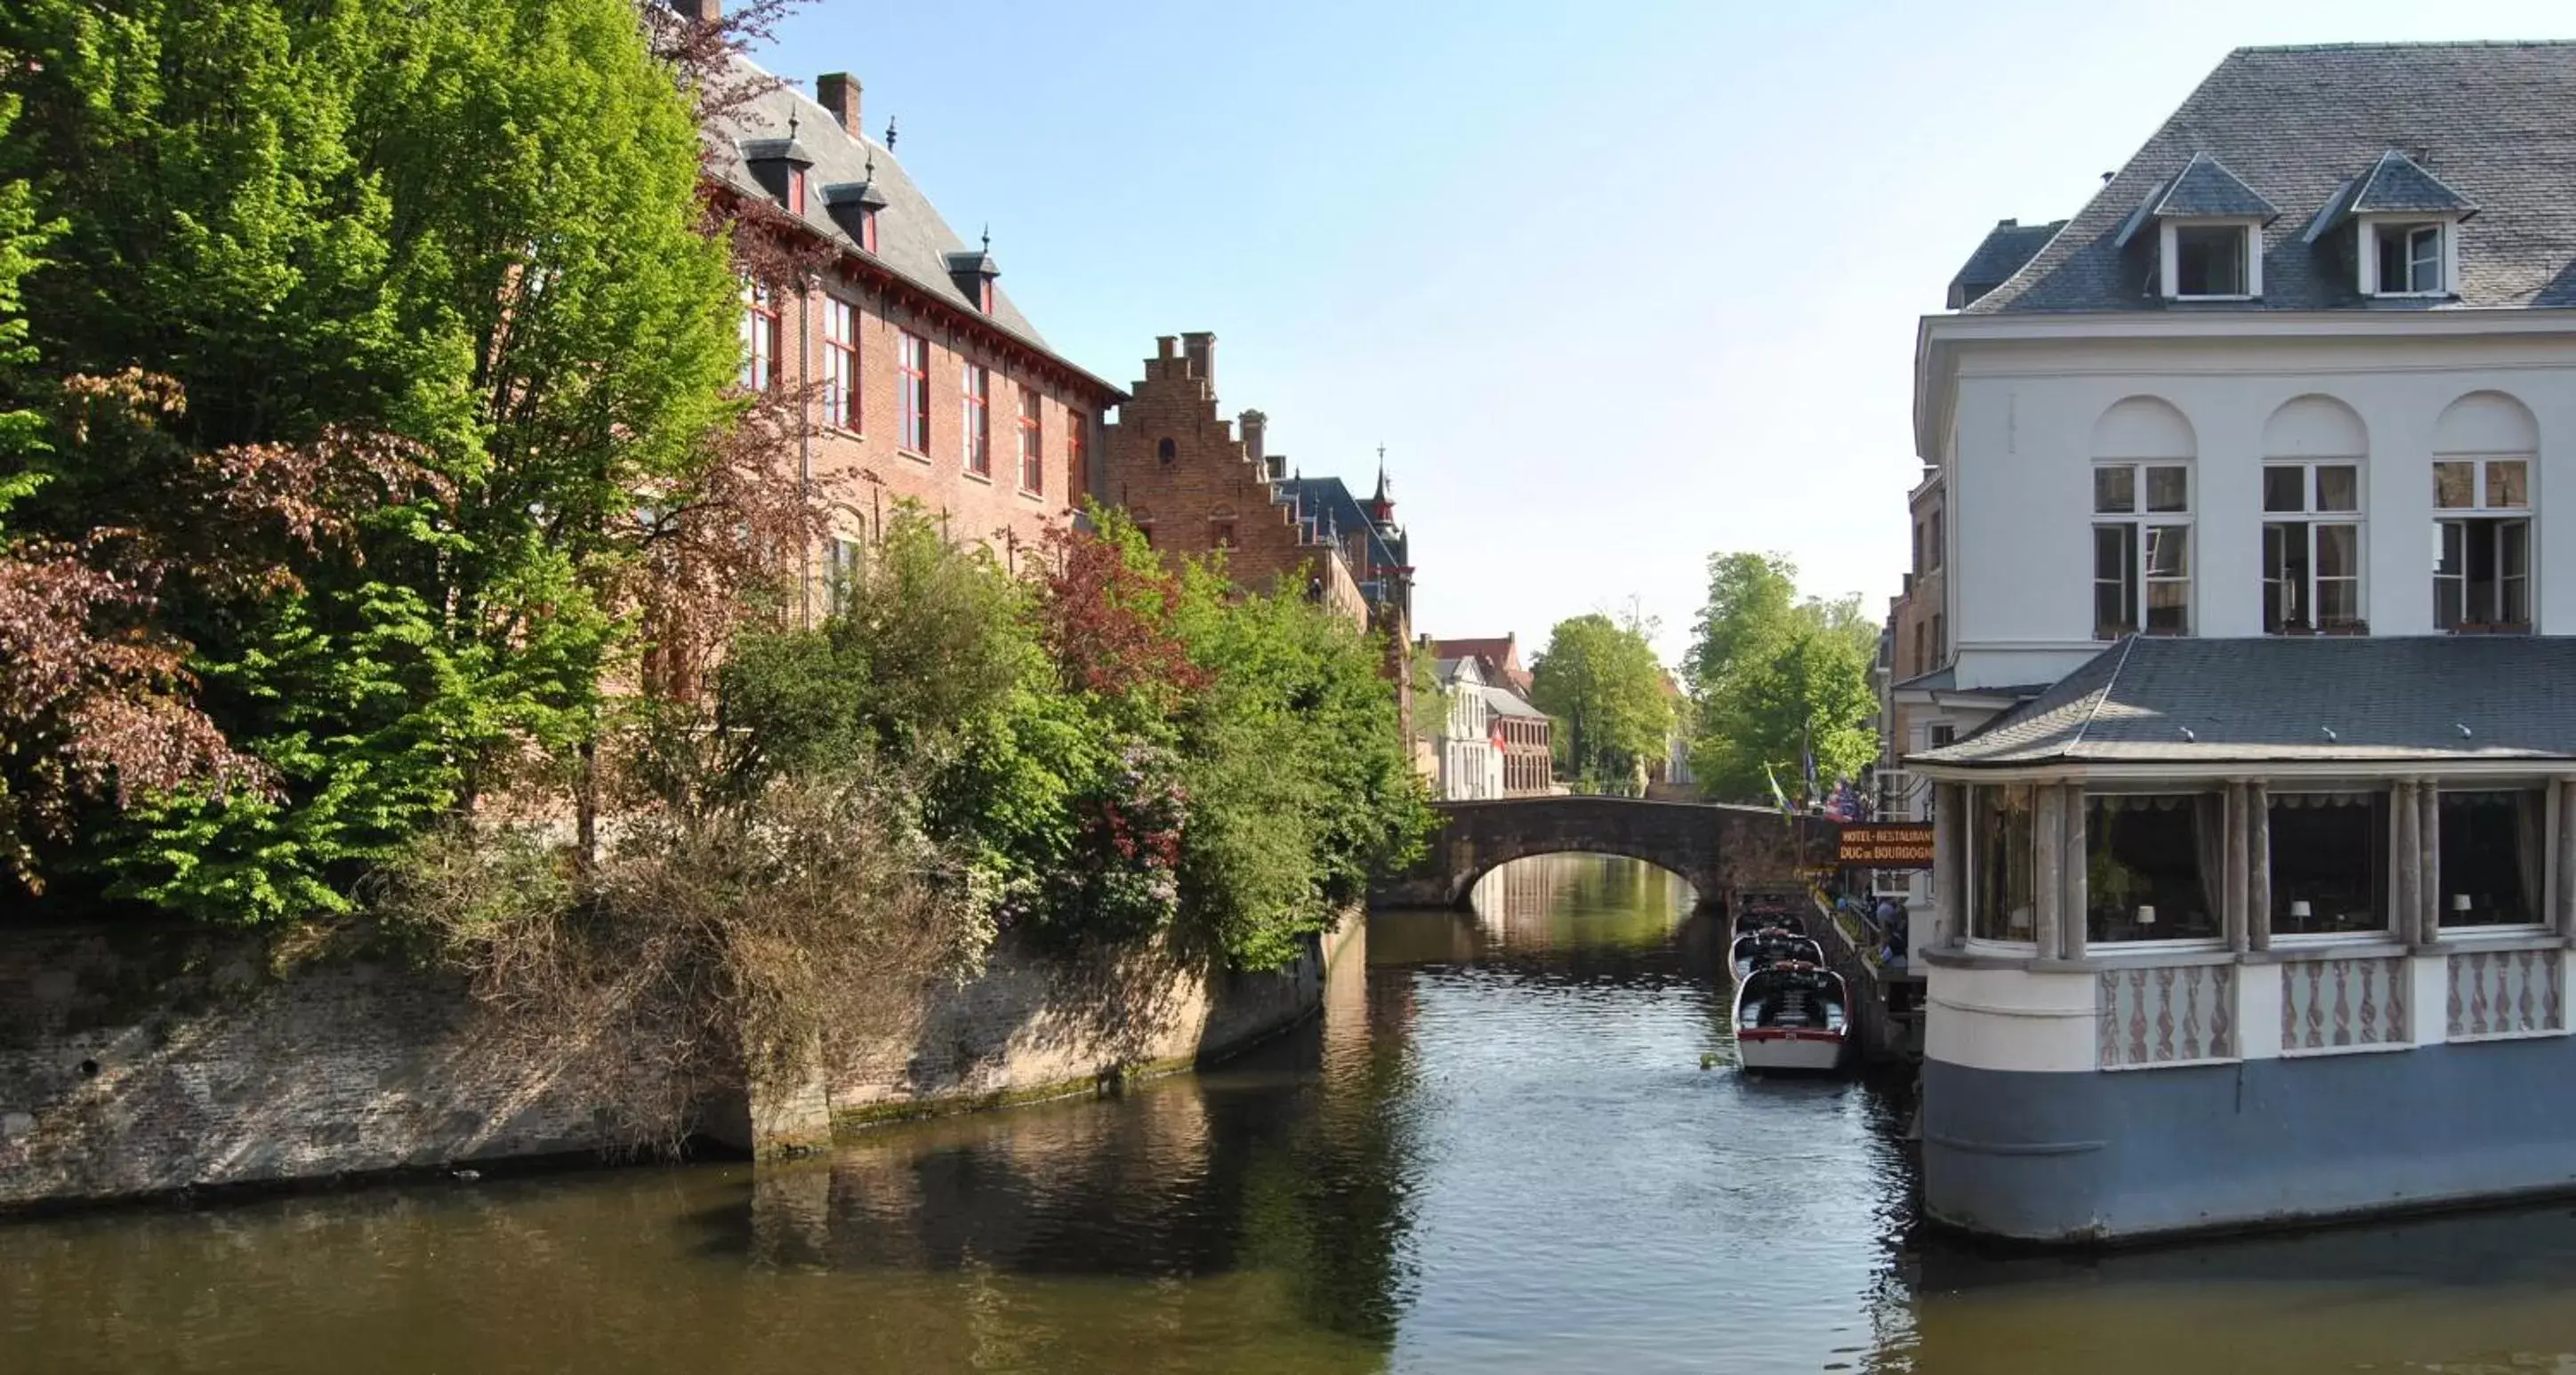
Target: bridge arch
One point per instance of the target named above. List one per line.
(1710, 846)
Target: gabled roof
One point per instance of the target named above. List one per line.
(2203, 189)
(2377, 699)
(913, 242)
(2207, 188)
(1501, 654)
(2006, 247)
(2397, 185)
(2494, 123)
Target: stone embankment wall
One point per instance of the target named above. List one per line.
(138, 1062)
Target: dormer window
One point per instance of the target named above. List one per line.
(2209, 261)
(795, 190)
(2405, 228)
(2407, 259)
(2209, 233)
(854, 206)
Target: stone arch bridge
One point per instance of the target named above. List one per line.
(1713, 846)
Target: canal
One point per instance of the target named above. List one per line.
(1514, 1143)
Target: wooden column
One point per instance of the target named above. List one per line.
(2258, 866)
(2048, 860)
(2238, 880)
(2428, 853)
(2078, 883)
(2565, 867)
(1949, 863)
(2406, 895)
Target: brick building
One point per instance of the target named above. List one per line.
(1196, 487)
(930, 384)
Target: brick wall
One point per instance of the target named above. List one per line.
(866, 466)
(1183, 473)
(137, 1063)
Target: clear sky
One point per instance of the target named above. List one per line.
(1618, 285)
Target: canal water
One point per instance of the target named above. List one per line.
(1514, 1143)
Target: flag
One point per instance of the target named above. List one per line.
(1777, 795)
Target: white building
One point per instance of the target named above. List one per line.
(2259, 478)
(1471, 759)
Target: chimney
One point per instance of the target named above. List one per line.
(1163, 344)
(838, 92)
(1255, 425)
(1200, 348)
(703, 11)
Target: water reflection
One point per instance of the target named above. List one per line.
(1497, 1153)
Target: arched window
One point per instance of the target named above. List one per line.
(2484, 452)
(2142, 480)
(2314, 450)
(1166, 449)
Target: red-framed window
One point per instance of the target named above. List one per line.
(1032, 442)
(984, 296)
(796, 190)
(913, 367)
(1077, 455)
(868, 230)
(978, 417)
(840, 364)
(759, 337)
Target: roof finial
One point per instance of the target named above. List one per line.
(889, 138)
(791, 126)
(988, 236)
(869, 178)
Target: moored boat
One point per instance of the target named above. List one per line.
(1792, 1016)
(1773, 945)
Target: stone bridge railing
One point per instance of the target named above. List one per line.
(1712, 846)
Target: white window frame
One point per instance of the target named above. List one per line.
(2549, 879)
(2367, 251)
(2482, 484)
(2310, 516)
(2169, 260)
(2141, 520)
(840, 364)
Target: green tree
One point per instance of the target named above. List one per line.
(449, 257)
(1601, 683)
(1776, 677)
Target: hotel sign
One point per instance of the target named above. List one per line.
(1886, 845)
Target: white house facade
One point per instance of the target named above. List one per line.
(1471, 762)
(2251, 751)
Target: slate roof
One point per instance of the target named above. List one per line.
(2006, 247)
(913, 241)
(2206, 187)
(2397, 185)
(2376, 699)
(1506, 702)
(2494, 123)
(1328, 500)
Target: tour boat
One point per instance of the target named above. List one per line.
(1761, 949)
(1791, 1017)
